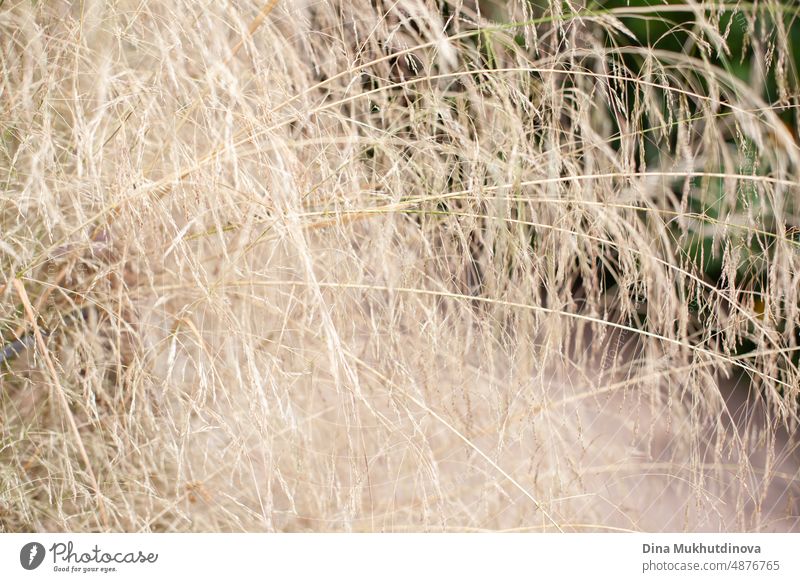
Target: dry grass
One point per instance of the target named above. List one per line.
(386, 266)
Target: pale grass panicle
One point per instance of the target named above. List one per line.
(392, 266)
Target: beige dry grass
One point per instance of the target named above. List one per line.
(389, 266)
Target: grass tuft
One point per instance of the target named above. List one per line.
(410, 265)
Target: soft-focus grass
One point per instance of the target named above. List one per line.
(395, 266)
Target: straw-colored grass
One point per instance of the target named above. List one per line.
(396, 265)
